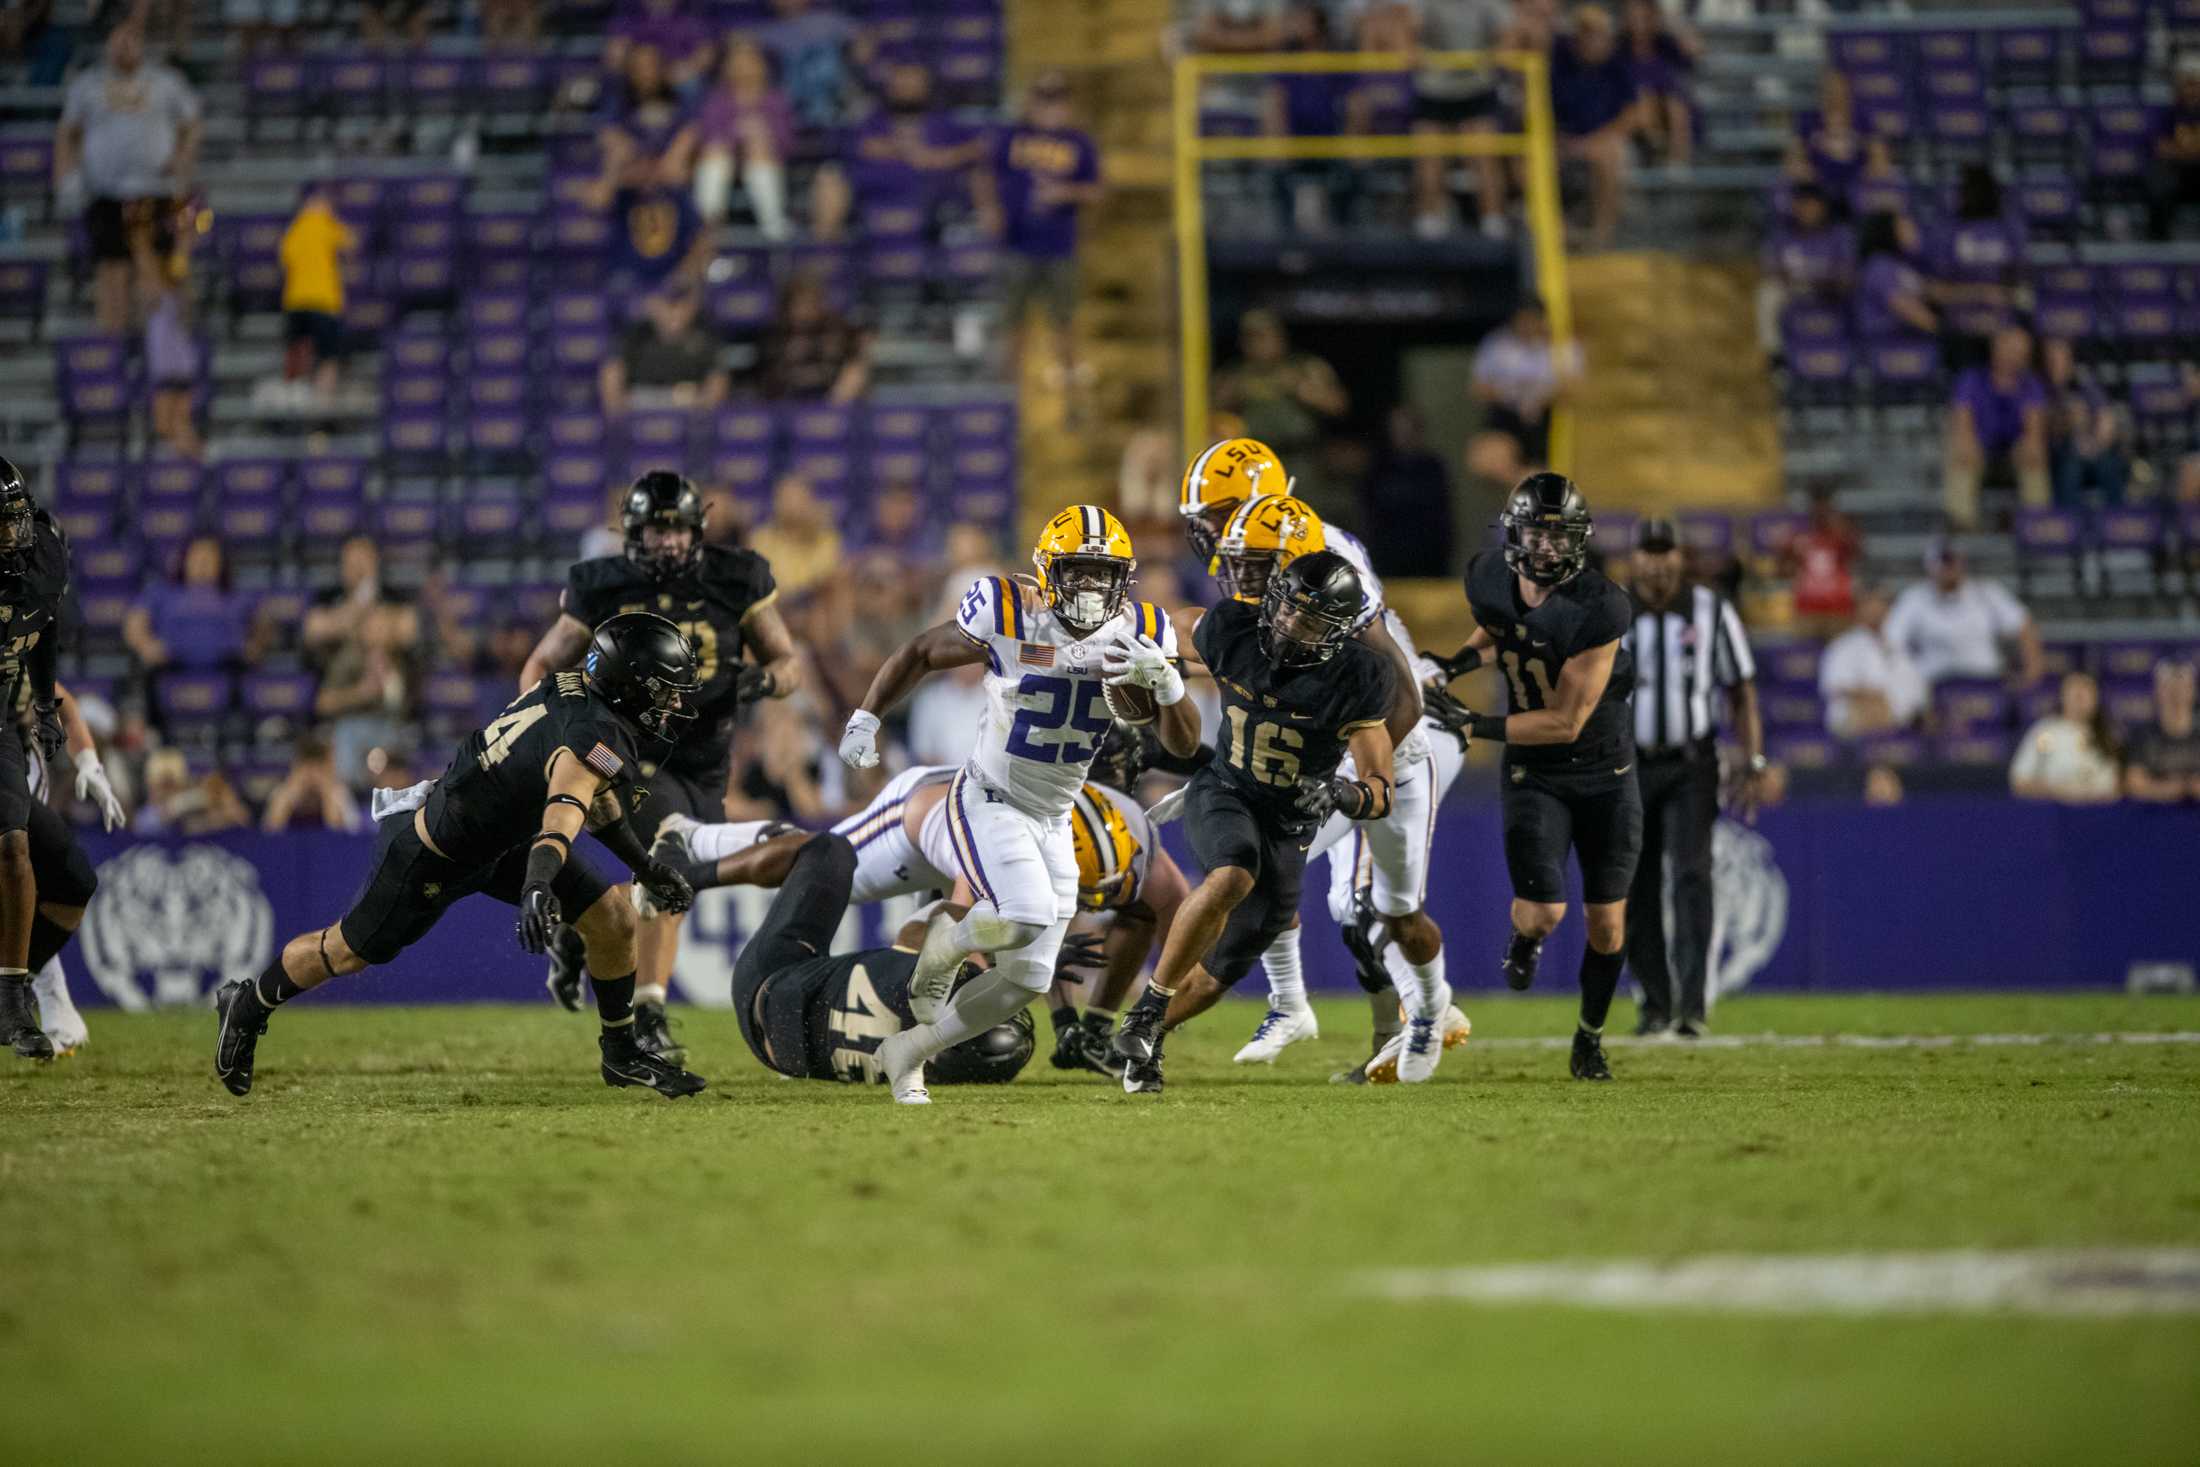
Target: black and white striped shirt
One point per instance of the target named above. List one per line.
(1682, 655)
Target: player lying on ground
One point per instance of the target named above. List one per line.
(1297, 692)
(1052, 650)
(1128, 887)
(814, 1016)
(501, 821)
(1569, 768)
(723, 601)
(63, 872)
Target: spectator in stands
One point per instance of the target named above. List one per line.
(2163, 763)
(1288, 400)
(813, 350)
(1866, 679)
(800, 539)
(1811, 258)
(510, 22)
(1042, 171)
(310, 796)
(832, 204)
(681, 40)
(1997, 425)
(899, 525)
(257, 22)
(1819, 561)
(1405, 501)
(775, 773)
(1594, 103)
(2069, 757)
(2173, 171)
(1311, 194)
(745, 130)
(1661, 56)
(192, 621)
(365, 644)
(1827, 149)
(667, 358)
(1518, 378)
(1978, 267)
(820, 54)
(1882, 786)
(314, 250)
(1890, 293)
(1881, 187)
(394, 25)
(648, 148)
(2085, 448)
(1237, 25)
(28, 34)
(1447, 100)
(913, 151)
(1954, 625)
(174, 362)
(127, 144)
(176, 804)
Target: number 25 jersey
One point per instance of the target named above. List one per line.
(1045, 699)
(1534, 645)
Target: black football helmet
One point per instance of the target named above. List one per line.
(18, 519)
(1547, 529)
(1308, 609)
(640, 664)
(669, 501)
(993, 1058)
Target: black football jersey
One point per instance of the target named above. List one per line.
(30, 609)
(491, 797)
(1282, 725)
(850, 1004)
(710, 605)
(1533, 646)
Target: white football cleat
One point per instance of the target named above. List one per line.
(933, 979)
(1383, 1069)
(904, 1071)
(1279, 1030)
(57, 1012)
(1424, 1041)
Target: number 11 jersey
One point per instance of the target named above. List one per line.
(1045, 699)
(1534, 645)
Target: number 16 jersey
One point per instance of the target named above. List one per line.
(1045, 697)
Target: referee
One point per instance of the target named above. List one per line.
(1687, 642)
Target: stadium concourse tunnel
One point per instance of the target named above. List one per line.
(1821, 896)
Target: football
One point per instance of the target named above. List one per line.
(1132, 704)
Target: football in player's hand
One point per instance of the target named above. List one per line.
(1132, 704)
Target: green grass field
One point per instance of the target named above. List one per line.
(433, 1236)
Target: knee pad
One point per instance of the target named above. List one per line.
(996, 933)
(1029, 974)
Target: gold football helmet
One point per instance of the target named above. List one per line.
(1262, 537)
(1219, 480)
(1107, 854)
(1084, 565)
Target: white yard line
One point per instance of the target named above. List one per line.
(1842, 1041)
(2095, 1282)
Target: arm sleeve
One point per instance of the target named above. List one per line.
(41, 663)
(1731, 660)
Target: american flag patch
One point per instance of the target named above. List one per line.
(603, 761)
(1037, 654)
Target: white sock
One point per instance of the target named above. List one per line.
(1417, 983)
(650, 993)
(1286, 974)
(716, 842)
(976, 1007)
(51, 985)
(767, 186)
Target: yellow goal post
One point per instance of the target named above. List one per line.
(1536, 146)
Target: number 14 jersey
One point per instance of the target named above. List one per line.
(1045, 698)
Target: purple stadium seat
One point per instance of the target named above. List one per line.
(497, 433)
(970, 75)
(577, 351)
(1877, 88)
(2048, 533)
(353, 84)
(1792, 705)
(2128, 660)
(1804, 751)
(1827, 368)
(582, 309)
(1943, 49)
(2129, 702)
(988, 504)
(1959, 129)
(2042, 129)
(2119, 139)
(427, 233)
(250, 478)
(578, 234)
(276, 86)
(893, 465)
(192, 697)
(91, 482)
(489, 523)
(501, 311)
(359, 201)
(414, 390)
(26, 164)
(897, 264)
(1615, 532)
(496, 391)
(105, 602)
(821, 425)
(1707, 532)
(287, 695)
(326, 518)
(1904, 369)
(571, 510)
(2112, 55)
(566, 474)
(498, 352)
(1965, 704)
(1795, 662)
(2144, 277)
(406, 528)
(254, 524)
(2049, 205)
(740, 307)
(1955, 84)
(747, 473)
(892, 219)
(412, 349)
(1771, 530)
(90, 354)
(990, 422)
(1975, 750)
(2133, 527)
(901, 426)
(1898, 749)
(1851, 50)
(23, 292)
(109, 560)
(660, 433)
(1808, 324)
(500, 238)
(429, 83)
(515, 81)
(2148, 324)
(576, 431)
(2028, 55)
(2161, 409)
(171, 481)
(83, 522)
(982, 461)
(415, 434)
(451, 695)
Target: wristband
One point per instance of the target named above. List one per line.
(1463, 661)
(1488, 727)
(544, 862)
(1170, 693)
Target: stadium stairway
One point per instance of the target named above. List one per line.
(1678, 408)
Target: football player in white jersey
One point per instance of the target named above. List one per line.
(1052, 648)
(1397, 948)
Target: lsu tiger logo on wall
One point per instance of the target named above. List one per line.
(1749, 905)
(167, 926)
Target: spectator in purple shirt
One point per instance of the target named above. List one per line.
(1594, 104)
(1880, 187)
(1890, 293)
(191, 621)
(1310, 194)
(648, 147)
(1661, 56)
(1042, 171)
(2086, 456)
(911, 151)
(1812, 259)
(681, 41)
(746, 130)
(1827, 148)
(2173, 167)
(1978, 263)
(1997, 425)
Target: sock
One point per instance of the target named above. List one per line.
(1099, 1020)
(1384, 1008)
(976, 1007)
(648, 993)
(1599, 981)
(614, 1000)
(47, 938)
(710, 844)
(1286, 974)
(1065, 1018)
(274, 988)
(52, 987)
(1419, 984)
(1155, 1000)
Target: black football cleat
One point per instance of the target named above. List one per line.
(1143, 1076)
(568, 970)
(1079, 1048)
(1650, 1025)
(1690, 1029)
(1139, 1038)
(19, 1021)
(1364, 937)
(242, 1021)
(653, 1032)
(626, 1064)
(1587, 1062)
(1521, 956)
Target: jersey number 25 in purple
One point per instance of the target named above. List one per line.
(1068, 701)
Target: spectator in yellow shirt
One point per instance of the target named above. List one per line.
(312, 253)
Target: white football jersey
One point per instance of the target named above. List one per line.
(1348, 545)
(1045, 704)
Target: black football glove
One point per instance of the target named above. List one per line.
(1459, 664)
(46, 728)
(753, 684)
(668, 889)
(1317, 797)
(1082, 950)
(1450, 714)
(538, 918)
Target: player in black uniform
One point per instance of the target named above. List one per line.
(1569, 768)
(501, 821)
(721, 598)
(1297, 693)
(818, 1017)
(34, 575)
